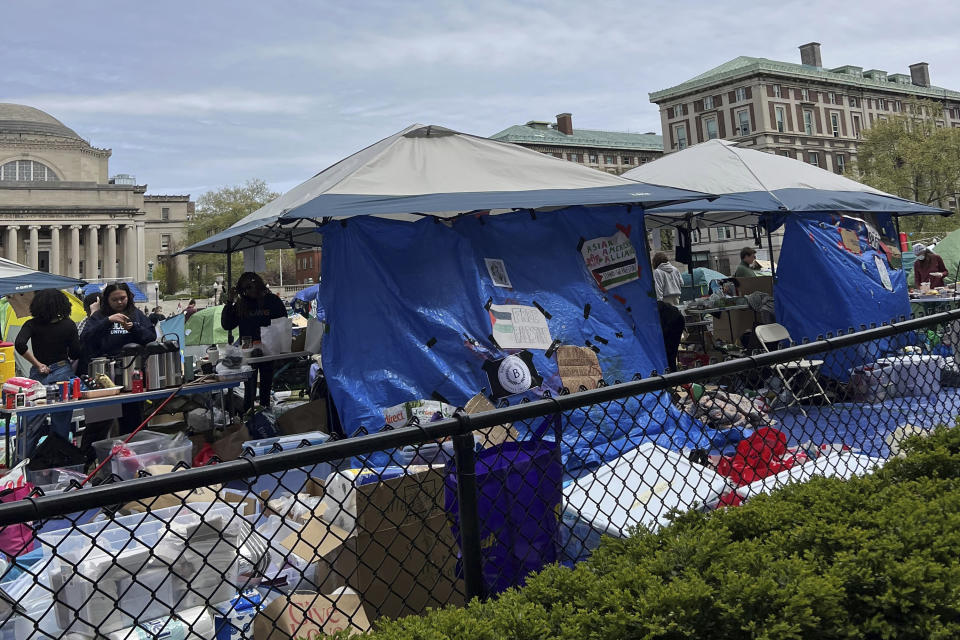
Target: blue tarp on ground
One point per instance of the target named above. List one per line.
(405, 304)
(97, 287)
(823, 288)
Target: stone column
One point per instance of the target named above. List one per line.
(74, 257)
(93, 253)
(110, 252)
(141, 262)
(130, 251)
(33, 257)
(55, 250)
(12, 242)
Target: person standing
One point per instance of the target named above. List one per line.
(748, 266)
(190, 310)
(928, 267)
(117, 323)
(250, 307)
(666, 279)
(54, 341)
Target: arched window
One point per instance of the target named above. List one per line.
(26, 171)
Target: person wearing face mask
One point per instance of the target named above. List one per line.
(118, 322)
(928, 267)
(250, 307)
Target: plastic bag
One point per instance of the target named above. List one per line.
(277, 337)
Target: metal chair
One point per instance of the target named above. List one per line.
(796, 376)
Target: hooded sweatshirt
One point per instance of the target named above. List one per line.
(667, 280)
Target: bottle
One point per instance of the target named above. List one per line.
(137, 381)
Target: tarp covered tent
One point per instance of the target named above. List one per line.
(754, 185)
(11, 322)
(18, 278)
(427, 170)
(97, 287)
(853, 287)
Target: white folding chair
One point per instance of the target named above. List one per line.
(796, 376)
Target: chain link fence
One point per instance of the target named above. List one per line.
(338, 535)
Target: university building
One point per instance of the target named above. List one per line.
(60, 211)
(610, 151)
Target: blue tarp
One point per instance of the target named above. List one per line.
(823, 288)
(97, 287)
(405, 304)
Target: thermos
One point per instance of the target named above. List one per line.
(155, 366)
(174, 364)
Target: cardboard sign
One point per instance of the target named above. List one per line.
(578, 367)
(519, 327)
(306, 615)
(851, 241)
(494, 435)
(423, 410)
(498, 273)
(884, 274)
(612, 260)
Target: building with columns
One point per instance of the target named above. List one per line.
(61, 213)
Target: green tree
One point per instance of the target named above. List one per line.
(216, 210)
(913, 155)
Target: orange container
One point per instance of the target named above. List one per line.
(8, 364)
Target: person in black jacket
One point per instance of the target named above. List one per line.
(116, 323)
(249, 307)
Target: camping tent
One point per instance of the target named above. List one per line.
(949, 250)
(204, 328)
(11, 322)
(18, 278)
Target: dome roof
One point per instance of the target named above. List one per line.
(20, 119)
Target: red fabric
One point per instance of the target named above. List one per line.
(923, 268)
(16, 539)
(729, 500)
(204, 455)
(762, 454)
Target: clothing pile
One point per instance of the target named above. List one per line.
(725, 410)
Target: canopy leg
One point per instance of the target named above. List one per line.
(773, 269)
(229, 285)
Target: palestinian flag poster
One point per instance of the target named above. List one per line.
(519, 327)
(612, 260)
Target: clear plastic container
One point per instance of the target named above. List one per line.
(54, 480)
(144, 442)
(284, 443)
(127, 467)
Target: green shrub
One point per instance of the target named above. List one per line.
(873, 557)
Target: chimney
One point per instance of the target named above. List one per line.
(810, 54)
(920, 74)
(565, 123)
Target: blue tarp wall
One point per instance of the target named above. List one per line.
(405, 305)
(822, 288)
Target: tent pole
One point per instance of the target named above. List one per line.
(773, 269)
(229, 285)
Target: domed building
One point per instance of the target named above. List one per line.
(60, 212)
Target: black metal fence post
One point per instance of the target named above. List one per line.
(464, 454)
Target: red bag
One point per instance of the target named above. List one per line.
(762, 454)
(16, 539)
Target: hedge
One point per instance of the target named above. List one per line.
(873, 557)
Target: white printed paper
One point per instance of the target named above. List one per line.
(519, 327)
(498, 272)
(423, 410)
(612, 260)
(884, 274)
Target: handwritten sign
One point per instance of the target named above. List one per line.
(519, 327)
(884, 274)
(851, 241)
(612, 260)
(306, 615)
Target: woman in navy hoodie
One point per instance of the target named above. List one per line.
(116, 323)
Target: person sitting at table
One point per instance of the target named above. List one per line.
(748, 266)
(666, 279)
(250, 306)
(54, 341)
(928, 267)
(117, 323)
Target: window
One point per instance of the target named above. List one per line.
(695, 236)
(627, 159)
(956, 112)
(678, 111)
(164, 213)
(27, 171)
(710, 126)
(805, 95)
(574, 157)
(815, 158)
(881, 104)
(808, 122)
(835, 124)
(841, 164)
(831, 97)
(165, 243)
(708, 102)
(700, 259)
(741, 94)
(666, 239)
(557, 155)
(610, 159)
(785, 154)
(781, 124)
(594, 158)
(776, 91)
(854, 102)
(680, 134)
(856, 126)
(898, 106)
(743, 120)
(724, 233)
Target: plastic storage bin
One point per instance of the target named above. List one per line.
(291, 480)
(54, 480)
(284, 443)
(143, 442)
(913, 375)
(148, 448)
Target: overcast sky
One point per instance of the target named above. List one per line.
(192, 96)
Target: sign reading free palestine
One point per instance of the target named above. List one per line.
(612, 260)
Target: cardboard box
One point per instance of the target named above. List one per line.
(306, 614)
(760, 283)
(400, 555)
(741, 320)
(310, 416)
